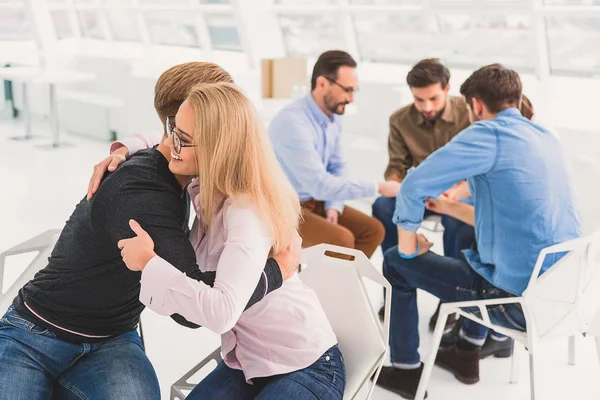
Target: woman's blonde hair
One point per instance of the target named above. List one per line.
(235, 158)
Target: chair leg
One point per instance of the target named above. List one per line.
(532, 348)
(445, 310)
(515, 365)
(572, 350)
(597, 338)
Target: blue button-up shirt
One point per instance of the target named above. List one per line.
(307, 144)
(517, 173)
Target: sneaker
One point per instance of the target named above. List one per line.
(401, 381)
(464, 364)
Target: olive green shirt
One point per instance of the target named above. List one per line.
(413, 138)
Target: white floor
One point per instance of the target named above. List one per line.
(40, 188)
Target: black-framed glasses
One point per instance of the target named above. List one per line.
(177, 145)
(347, 89)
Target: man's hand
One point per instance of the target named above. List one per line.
(439, 205)
(424, 243)
(109, 164)
(332, 215)
(388, 188)
(408, 241)
(457, 192)
(138, 250)
(289, 259)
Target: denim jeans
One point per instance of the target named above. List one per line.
(457, 235)
(35, 364)
(451, 280)
(323, 380)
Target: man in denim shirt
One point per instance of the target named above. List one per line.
(522, 191)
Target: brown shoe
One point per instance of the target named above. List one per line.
(464, 364)
(401, 381)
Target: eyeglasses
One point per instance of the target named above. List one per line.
(177, 145)
(347, 89)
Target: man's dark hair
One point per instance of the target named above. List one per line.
(496, 86)
(428, 72)
(328, 64)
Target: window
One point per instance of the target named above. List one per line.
(123, 25)
(306, 35)
(62, 24)
(89, 21)
(223, 32)
(305, 2)
(458, 39)
(173, 28)
(481, 40)
(215, 1)
(164, 2)
(14, 24)
(386, 2)
(573, 44)
(397, 37)
(572, 2)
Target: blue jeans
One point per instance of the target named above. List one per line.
(451, 280)
(457, 234)
(323, 380)
(35, 364)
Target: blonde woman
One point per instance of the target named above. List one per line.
(284, 346)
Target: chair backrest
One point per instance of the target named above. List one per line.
(43, 244)
(340, 287)
(565, 299)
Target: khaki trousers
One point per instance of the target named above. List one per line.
(354, 229)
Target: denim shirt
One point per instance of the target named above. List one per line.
(522, 191)
(307, 145)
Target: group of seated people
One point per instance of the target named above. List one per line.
(499, 180)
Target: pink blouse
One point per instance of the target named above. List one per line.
(285, 332)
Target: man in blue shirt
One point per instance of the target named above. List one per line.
(522, 192)
(306, 139)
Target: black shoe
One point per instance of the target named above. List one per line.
(491, 347)
(496, 348)
(464, 364)
(381, 313)
(401, 381)
(450, 321)
(451, 338)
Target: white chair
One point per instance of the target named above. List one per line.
(340, 287)
(43, 244)
(560, 303)
(586, 171)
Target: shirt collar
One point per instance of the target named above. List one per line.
(512, 111)
(448, 114)
(321, 117)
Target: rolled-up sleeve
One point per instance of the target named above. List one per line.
(472, 152)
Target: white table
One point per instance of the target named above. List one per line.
(51, 77)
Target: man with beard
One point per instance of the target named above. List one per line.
(306, 139)
(416, 131)
(522, 191)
